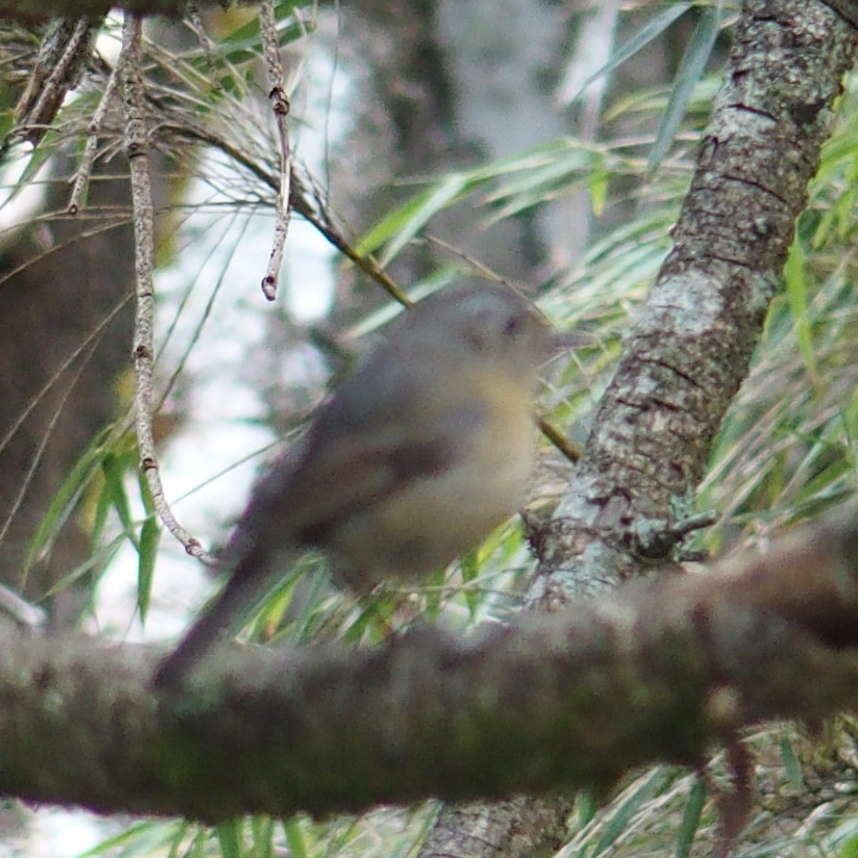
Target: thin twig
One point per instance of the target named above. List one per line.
(280, 105)
(44, 94)
(299, 201)
(194, 20)
(137, 151)
(84, 170)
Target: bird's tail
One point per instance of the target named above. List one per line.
(243, 587)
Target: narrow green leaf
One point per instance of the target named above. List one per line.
(98, 560)
(434, 594)
(177, 836)
(198, 844)
(826, 481)
(619, 821)
(375, 613)
(99, 518)
(792, 767)
(598, 190)
(470, 570)
(295, 838)
(849, 416)
(796, 291)
(650, 31)
(229, 838)
(245, 34)
(691, 818)
(437, 198)
(65, 500)
(391, 223)
(262, 832)
(113, 467)
(122, 839)
(585, 807)
(544, 177)
(690, 71)
(150, 535)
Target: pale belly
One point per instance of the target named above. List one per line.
(437, 517)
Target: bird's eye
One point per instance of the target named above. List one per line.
(513, 326)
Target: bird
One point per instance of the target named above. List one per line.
(413, 460)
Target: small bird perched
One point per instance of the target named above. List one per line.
(413, 460)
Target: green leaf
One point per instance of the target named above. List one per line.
(470, 570)
(177, 836)
(598, 190)
(792, 767)
(262, 832)
(434, 594)
(649, 32)
(690, 71)
(295, 838)
(649, 787)
(690, 818)
(229, 838)
(143, 838)
(586, 807)
(150, 536)
(96, 561)
(402, 224)
(114, 466)
(65, 500)
(796, 291)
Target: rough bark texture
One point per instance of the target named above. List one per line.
(576, 699)
(690, 348)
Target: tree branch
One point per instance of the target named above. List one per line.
(656, 673)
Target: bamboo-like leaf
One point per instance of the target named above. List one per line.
(470, 569)
(65, 499)
(690, 71)
(262, 832)
(150, 536)
(792, 767)
(648, 33)
(690, 818)
(650, 786)
(96, 561)
(131, 838)
(295, 838)
(401, 225)
(229, 839)
(598, 186)
(114, 468)
(796, 291)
